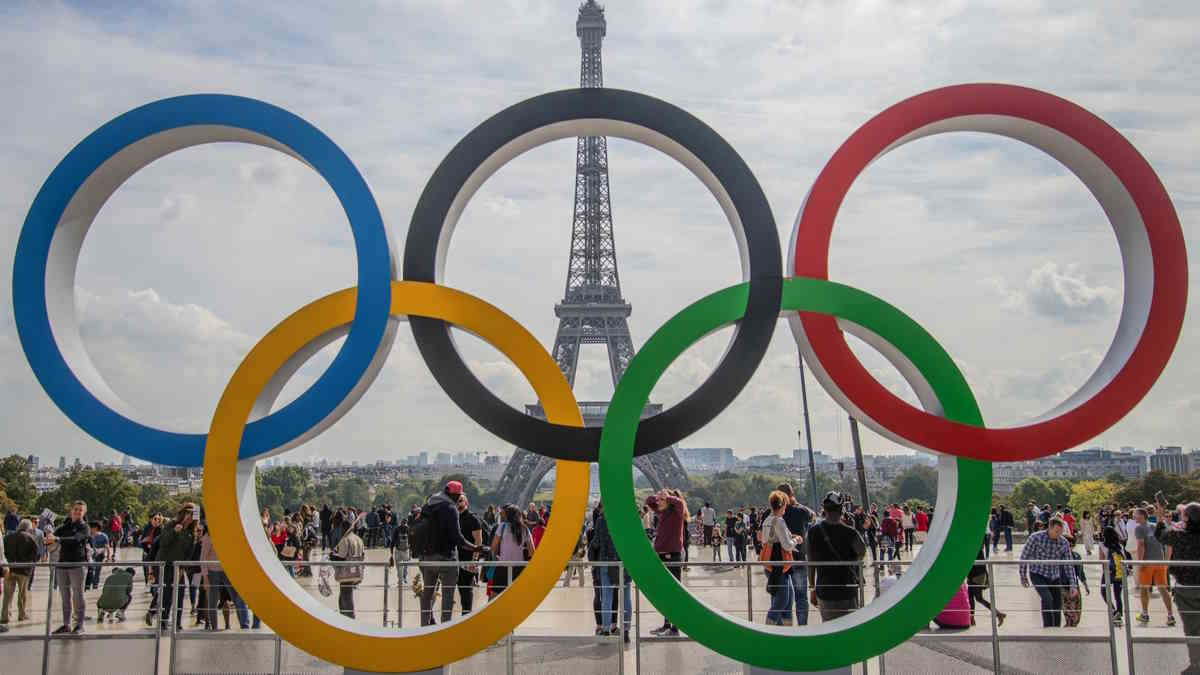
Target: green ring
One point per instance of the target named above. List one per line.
(770, 646)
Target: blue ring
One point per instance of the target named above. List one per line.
(375, 273)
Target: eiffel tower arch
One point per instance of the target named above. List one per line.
(593, 310)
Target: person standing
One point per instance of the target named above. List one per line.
(730, 528)
(177, 543)
(512, 543)
(1049, 579)
(977, 581)
(777, 538)
(1031, 516)
(668, 542)
(20, 548)
(708, 518)
(100, 552)
(1087, 531)
(444, 540)
(1006, 526)
(798, 518)
(11, 521)
(1112, 552)
(889, 532)
(834, 588)
(472, 528)
(1183, 544)
(325, 519)
(350, 548)
(1150, 576)
(909, 526)
(73, 537)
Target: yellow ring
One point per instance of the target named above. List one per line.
(250, 561)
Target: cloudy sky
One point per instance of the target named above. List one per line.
(995, 248)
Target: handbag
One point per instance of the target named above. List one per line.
(288, 551)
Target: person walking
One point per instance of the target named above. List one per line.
(1087, 531)
(668, 542)
(1049, 580)
(993, 529)
(73, 537)
(441, 542)
(20, 548)
(1148, 547)
(100, 544)
(779, 544)
(1112, 552)
(730, 533)
(889, 533)
(325, 520)
(834, 588)
(978, 581)
(1183, 544)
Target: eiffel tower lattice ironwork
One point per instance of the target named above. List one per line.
(593, 310)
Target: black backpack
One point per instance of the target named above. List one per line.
(425, 536)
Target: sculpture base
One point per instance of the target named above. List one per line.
(751, 670)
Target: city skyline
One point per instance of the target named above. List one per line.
(999, 252)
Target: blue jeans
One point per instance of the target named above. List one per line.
(1008, 539)
(608, 604)
(798, 581)
(729, 548)
(781, 599)
(602, 578)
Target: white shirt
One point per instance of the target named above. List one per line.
(708, 516)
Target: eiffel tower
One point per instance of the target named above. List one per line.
(593, 310)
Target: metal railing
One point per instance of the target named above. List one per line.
(700, 577)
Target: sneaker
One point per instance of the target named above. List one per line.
(626, 636)
(1170, 620)
(1000, 617)
(661, 629)
(77, 630)
(1117, 621)
(671, 632)
(1143, 619)
(62, 630)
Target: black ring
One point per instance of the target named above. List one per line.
(753, 333)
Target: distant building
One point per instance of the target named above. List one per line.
(443, 459)
(32, 462)
(423, 458)
(1172, 459)
(1093, 463)
(706, 459)
(62, 463)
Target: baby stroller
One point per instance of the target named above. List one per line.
(115, 595)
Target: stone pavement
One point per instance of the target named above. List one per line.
(559, 637)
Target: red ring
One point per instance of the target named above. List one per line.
(1074, 427)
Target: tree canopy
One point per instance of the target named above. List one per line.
(18, 484)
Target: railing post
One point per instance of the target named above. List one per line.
(157, 624)
(1128, 620)
(386, 570)
(278, 654)
(749, 593)
(995, 626)
(637, 630)
(400, 597)
(619, 617)
(175, 588)
(49, 611)
(1107, 587)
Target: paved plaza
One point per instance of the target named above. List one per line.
(558, 638)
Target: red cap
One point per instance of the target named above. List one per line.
(454, 488)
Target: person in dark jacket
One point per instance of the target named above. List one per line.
(326, 520)
(73, 538)
(442, 545)
(20, 548)
(176, 543)
(607, 580)
(668, 541)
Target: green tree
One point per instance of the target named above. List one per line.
(293, 483)
(1090, 495)
(917, 482)
(1176, 488)
(14, 472)
(149, 493)
(6, 503)
(1031, 489)
(104, 490)
(1060, 492)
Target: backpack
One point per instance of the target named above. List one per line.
(425, 537)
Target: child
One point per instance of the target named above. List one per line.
(116, 595)
(1072, 603)
(717, 539)
(99, 545)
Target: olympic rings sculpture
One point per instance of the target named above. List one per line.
(244, 428)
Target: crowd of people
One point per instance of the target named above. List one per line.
(783, 536)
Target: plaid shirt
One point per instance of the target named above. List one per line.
(1041, 547)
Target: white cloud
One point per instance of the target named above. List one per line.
(233, 239)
